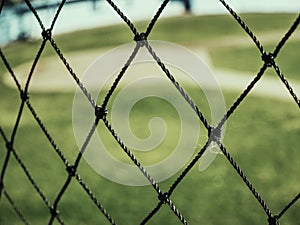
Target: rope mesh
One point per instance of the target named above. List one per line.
(164, 198)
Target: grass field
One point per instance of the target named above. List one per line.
(262, 136)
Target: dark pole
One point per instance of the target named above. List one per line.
(94, 4)
(187, 6)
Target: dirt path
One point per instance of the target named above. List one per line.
(268, 37)
(51, 75)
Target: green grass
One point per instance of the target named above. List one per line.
(262, 140)
(262, 136)
(248, 59)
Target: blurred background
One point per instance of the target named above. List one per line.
(18, 23)
(262, 135)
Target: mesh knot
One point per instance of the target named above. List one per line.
(214, 133)
(141, 39)
(71, 170)
(46, 34)
(273, 220)
(268, 59)
(54, 212)
(24, 96)
(100, 113)
(163, 197)
(9, 146)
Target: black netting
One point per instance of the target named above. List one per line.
(72, 174)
